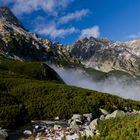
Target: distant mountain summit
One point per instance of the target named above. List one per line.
(87, 47)
(106, 55)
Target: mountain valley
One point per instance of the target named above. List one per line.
(42, 80)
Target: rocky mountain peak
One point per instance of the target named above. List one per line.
(18, 43)
(7, 16)
(85, 48)
(106, 55)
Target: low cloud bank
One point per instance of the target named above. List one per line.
(123, 87)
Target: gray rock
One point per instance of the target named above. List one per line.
(88, 116)
(75, 124)
(36, 126)
(93, 124)
(69, 121)
(27, 132)
(56, 118)
(75, 121)
(76, 116)
(57, 127)
(103, 111)
(115, 114)
(88, 133)
(102, 117)
(3, 134)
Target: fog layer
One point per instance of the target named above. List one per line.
(122, 87)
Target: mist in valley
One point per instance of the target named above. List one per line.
(123, 87)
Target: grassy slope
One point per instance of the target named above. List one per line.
(25, 97)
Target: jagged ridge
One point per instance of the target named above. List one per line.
(18, 43)
(101, 54)
(106, 55)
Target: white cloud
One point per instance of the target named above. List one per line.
(92, 31)
(54, 32)
(134, 36)
(54, 8)
(74, 16)
(28, 6)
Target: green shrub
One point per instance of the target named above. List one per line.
(41, 99)
(125, 128)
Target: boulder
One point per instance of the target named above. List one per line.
(88, 133)
(88, 116)
(76, 119)
(103, 111)
(75, 124)
(76, 116)
(3, 134)
(57, 127)
(36, 126)
(93, 124)
(69, 121)
(115, 114)
(27, 132)
(56, 118)
(102, 117)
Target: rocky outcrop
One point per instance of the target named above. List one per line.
(103, 111)
(115, 57)
(85, 48)
(115, 114)
(3, 134)
(7, 16)
(60, 129)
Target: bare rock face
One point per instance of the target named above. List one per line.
(16, 41)
(106, 55)
(86, 48)
(115, 57)
(7, 16)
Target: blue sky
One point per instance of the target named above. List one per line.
(69, 20)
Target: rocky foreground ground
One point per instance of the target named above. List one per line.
(77, 126)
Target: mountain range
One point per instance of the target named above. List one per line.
(97, 53)
(32, 89)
